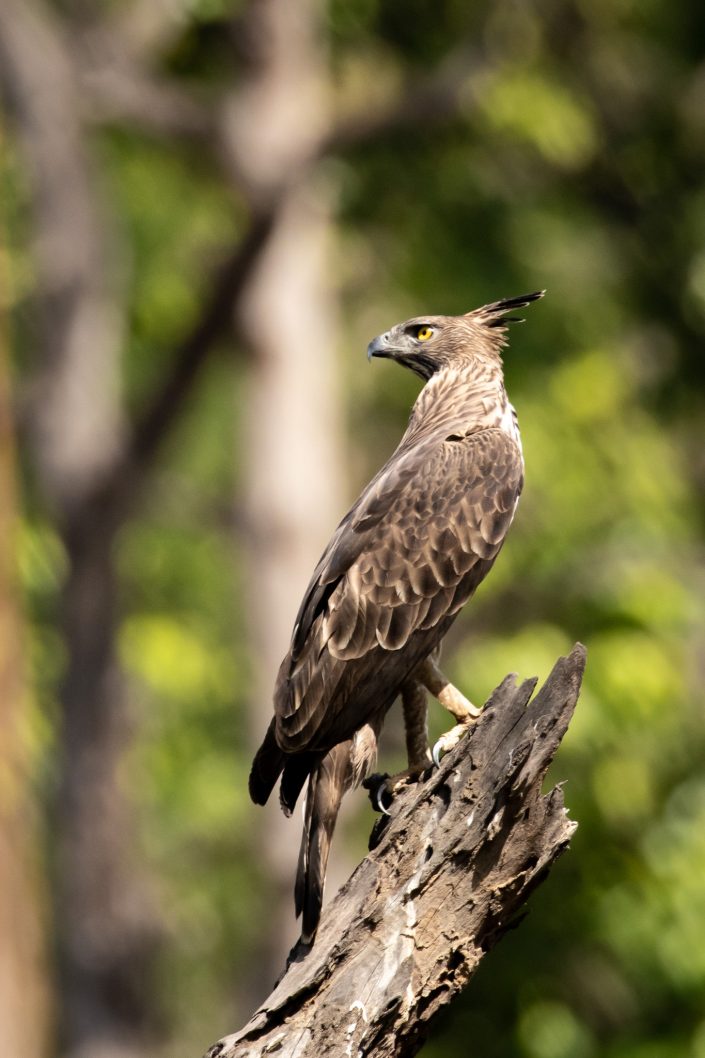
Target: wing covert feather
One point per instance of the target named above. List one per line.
(409, 554)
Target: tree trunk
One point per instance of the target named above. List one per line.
(91, 468)
(294, 488)
(107, 926)
(446, 878)
(24, 1000)
(75, 421)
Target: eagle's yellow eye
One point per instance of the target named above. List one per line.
(424, 333)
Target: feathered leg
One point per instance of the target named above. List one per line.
(414, 700)
(451, 699)
(426, 677)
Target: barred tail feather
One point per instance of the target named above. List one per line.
(326, 786)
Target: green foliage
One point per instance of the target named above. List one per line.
(576, 167)
(550, 184)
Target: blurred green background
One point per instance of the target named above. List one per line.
(402, 158)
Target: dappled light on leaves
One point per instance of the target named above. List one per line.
(556, 146)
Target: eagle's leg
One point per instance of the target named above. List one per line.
(451, 699)
(414, 702)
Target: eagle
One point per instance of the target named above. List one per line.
(401, 564)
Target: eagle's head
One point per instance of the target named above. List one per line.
(427, 344)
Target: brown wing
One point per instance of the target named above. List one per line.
(407, 556)
(353, 535)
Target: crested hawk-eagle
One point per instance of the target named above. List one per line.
(403, 561)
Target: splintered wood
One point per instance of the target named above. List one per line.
(447, 875)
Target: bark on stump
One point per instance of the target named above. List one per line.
(446, 877)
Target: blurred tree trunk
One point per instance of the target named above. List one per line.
(91, 467)
(107, 927)
(103, 927)
(295, 481)
(24, 992)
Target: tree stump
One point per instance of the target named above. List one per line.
(446, 877)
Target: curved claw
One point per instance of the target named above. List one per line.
(450, 740)
(378, 798)
(376, 785)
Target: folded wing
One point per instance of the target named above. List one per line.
(405, 559)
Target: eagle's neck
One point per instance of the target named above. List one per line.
(463, 399)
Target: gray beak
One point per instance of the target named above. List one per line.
(379, 346)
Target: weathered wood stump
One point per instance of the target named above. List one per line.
(447, 875)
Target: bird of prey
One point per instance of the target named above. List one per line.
(403, 561)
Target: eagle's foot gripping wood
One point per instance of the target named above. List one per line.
(383, 788)
(426, 677)
(450, 739)
(451, 699)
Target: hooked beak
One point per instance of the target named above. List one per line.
(379, 346)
